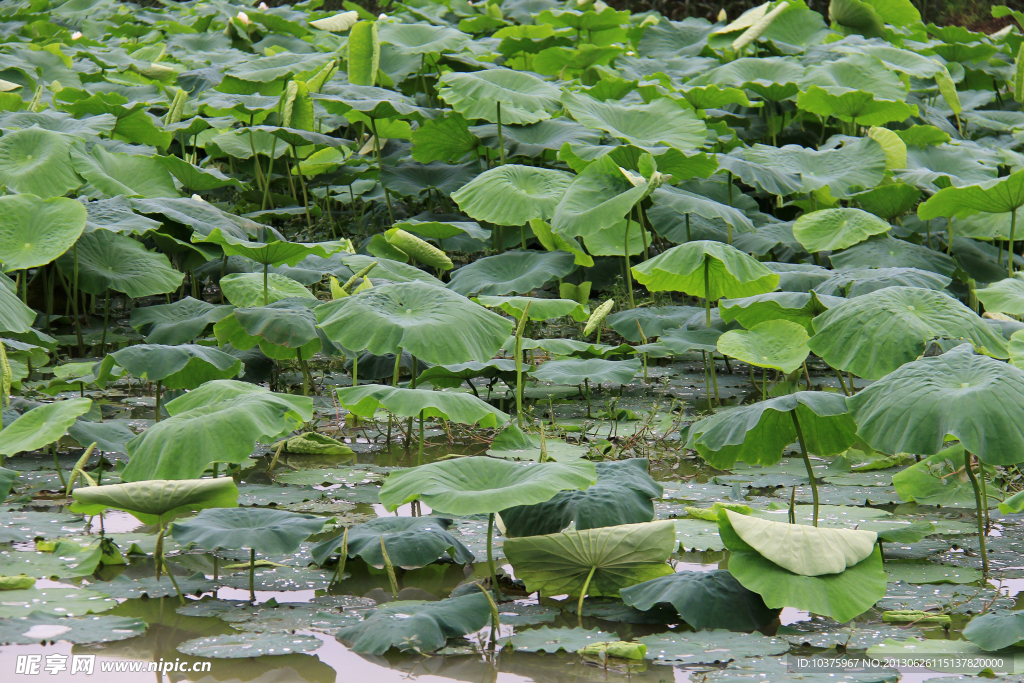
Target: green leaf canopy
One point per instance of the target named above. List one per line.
(476, 485)
(976, 399)
(596, 370)
(797, 307)
(418, 318)
(282, 329)
(411, 542)
(617, 557)
(777, 344)
(271, 532)
(524, 98)
(245, 290)
(220, 421)
(41, 426)
(36, 231)
(833, 229)
(758, 433)
(107, 260)
(513, 195)
(177, 323)
(597, 199)
(1000, 195)
(704, 600)
(876, 333)
(841, 596)
(706, 268)
(624, 494)
(149, 501)
(424, 625)
(660, 123)
(513, 272)
(457, 407)
(179, 367)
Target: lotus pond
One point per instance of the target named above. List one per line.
(509, 341)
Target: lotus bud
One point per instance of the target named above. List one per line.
(382, 17)
(76, 35)
(263, 5)
(198, 198)
(243, 17)
(722, 16)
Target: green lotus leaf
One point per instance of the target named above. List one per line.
(1005, 296)
(122, 174)
(512, 272)
(460, 408)
(1001, 195)
(653, 321)
(246, 290)
(662, 122)
(889, 201)
(41, 426)
(708, 647)
(279, 328)
(534, 139)
(179, 367)
(411, 542)
(35, 161)
(797, 307)
(597, 198)
(270, 252)
(611, 241)
(524, 98)
(596, 370)
(177, 323)
(707, 269)
(771, 78)
(857, 106)
(116, 215)
(540, 309)
(974, 398)
(704, 600)
(452, 376)
(149, 501)
(417, 318)
(271, 532)
(889, 252)
(841, 596)
(857, 166)
(995, 630)
(758, 433)
(15, 316)
(833, 229)
(246, 645)
(684, 340)
(107, 260)
(776, 344)
(611, 558)
(876, 333)
(551, 639)
(220, 421)
(623, 494)
(854, 282)
(683, 203)
(477, 485)
(513, 195)
(36, 231)
(939, 480)
(435, 228)
(195, 178)
(418, 39)
(424, 625)
(385, 269)
(802, 549)
(369, 101)
(22, 630)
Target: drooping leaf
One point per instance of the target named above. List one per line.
(659, 123)
(271, 532)
(457, 407)
(777, 344)
(411, 542)
(512, 272)
(423, 625)
(704, 600)
(150, 500)
(245, 290)
(594, 370)
(834, 229)
(41, 426)
(524, 98)
(107, 260)
(179, 367)
(706, 268)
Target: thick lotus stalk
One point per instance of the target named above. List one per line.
(519, 362)
(969, 466)
(5, 378)
(755, 31)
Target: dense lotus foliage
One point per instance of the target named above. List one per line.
(475, 331)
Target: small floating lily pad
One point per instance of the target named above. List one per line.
(708, 647)
(123, 587)
(38, 627)
(239, 645)
(929, 572)
(549, 639)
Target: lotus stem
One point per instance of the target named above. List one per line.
(490, 556)
(398, 366)
(158, 552)
(519, 363)
(495, 620)
(181, 597)
(339, 573)
(255, 159)
(302, 184)
(807, 463)
(707, 307)
(543, 444)
(841, 382)
(792, 506)
(501, 138)
(252, 574)
(380, 170)
(419, 455)
(53, 448)
(1009, 245)
(984, 499)
(159, 386)
(629, 277)
(807, 375)
(390, 568)
(583, 594)
(74, 302)
(266, 186)
(586, 382)
(643, 233)
(106, 320)
(978, 502)
(306, 380)
(216, 567)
